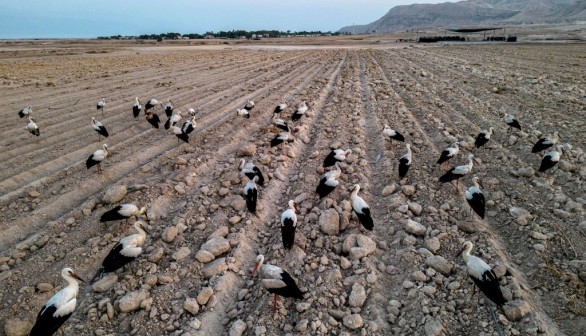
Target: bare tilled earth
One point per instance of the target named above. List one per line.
(400, 279)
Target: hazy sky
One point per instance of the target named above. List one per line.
(92, 18)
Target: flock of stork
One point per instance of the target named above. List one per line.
(276, 280)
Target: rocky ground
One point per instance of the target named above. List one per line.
(194, 279)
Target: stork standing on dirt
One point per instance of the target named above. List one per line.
(32, 127)
(276, 281)
(390, 134)
(281, 139)
(136, 107)
(361, 209)
(101, 105)
(482, 275)
(280, 108)
(300, 111)
(458, 172)
(59, 308)
(178, 131)
(151, 104)
(123, 211)
(449, 153)
(152, 118)
(475, 197)
(249, 105)
(511, 121)
(483, 137)
(100, 128)
(189, 126)
(25, 111)
(250, 171)
(288, 225)
(545, 142)
(243, 113)
(172, 120)
(125, 251)
(280, 123)
(191, 112)
(169, 108)
(97, 157)
(336, 155)
(329, 181)
(251, 194)
(405, 162)
(551, 158)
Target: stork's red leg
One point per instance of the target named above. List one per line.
(275, 303)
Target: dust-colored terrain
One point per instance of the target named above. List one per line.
(400, 284)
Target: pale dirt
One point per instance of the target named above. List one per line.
(427, 93)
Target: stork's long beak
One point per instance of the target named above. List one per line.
(77, 277)
(460, 252)
(255, 269)
(480, 183)
(296, 207)
(476, 160)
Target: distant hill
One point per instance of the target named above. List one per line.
(474, 13)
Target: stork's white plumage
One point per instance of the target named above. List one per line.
(243, 113)
(288, 225)
(97, 157)
(482, 275)
(475, 197)
(251, 194)
(280, 108)
(458, 172)
(300, 111)
(511, 121)
(250, 170)
(336, 155)
(123, 211)
(329, 181)
(545, 142)
(281, 139)
(32, 127)
(178, 131)
(191, 112)
(449, 153)
(276, 281)
(59, 308)
(136, 107)
(405, 162)
(150, 104)
(126, 250)
(280, 123)
(249, 105)
(100, 128)
(173, 119)
(361, 209)
(169, 108)
(25, 111)
(551, 158)
(483, 137)
(390, 134)
(101, 104)
(189, 126)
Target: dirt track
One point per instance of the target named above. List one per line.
(50, 204)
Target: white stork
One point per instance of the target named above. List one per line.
(25, 111)
(281, 139)
(249, 105)
(152, 118)
(449, 153)
(180, 134)
(251, 194)
(280, 123)
(551, 158)
(32, 127)
(250, 170)
(288, 225)
(511, 121)
(336, 155)
(361, 209)
(276, 281)
(169, 108)
(329, 181)
(151, 104)
(123, 211)
(405, 162)
(136, 107)
(243, 113)
(391, 135)
(125, 251)
(458, 172)
(172, 120)
(300, 111)
(59, 308)
(191, 112)
(475, 197)
(101, 104)
(100, 128)
(545, 142)
(483, 137)
(280, 108)
(189, 126)
(482, 275)
(97, 157)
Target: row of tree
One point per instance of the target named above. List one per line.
(233, 34)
